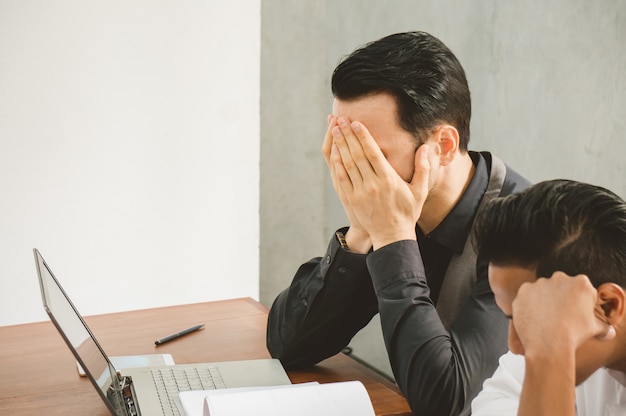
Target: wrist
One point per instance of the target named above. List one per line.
(550, 356)
(549, 383)
(385, 240)
(356, 241)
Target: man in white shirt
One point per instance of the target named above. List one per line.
(557, 267)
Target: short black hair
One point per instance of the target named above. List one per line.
(420, 71)
(557, 225)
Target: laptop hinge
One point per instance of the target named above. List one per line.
(128, 395)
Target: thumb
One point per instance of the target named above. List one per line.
(419, 182)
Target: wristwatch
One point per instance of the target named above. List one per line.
(342, 240)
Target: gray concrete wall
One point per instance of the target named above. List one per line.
(548, 82)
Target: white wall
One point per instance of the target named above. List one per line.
(129, 135)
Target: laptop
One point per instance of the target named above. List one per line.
(144, 391)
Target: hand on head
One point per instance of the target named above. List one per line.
(376, 198)
(360, 239)
(560, 312)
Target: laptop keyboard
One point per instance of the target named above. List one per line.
(170, 381)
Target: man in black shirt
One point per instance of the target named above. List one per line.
(397, 150)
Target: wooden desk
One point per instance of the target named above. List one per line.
(38, 372)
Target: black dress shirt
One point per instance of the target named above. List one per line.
(333, 297)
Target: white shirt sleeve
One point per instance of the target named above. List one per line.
(501, 393)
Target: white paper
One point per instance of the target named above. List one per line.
(193, 401)
(330, 399)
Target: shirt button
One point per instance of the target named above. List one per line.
(342, 269)
(305, 302)
(328, 259)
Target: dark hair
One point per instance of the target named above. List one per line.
(557, 225)
(423, 75)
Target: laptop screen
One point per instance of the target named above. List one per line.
(78, 337)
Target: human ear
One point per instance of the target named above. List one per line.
(611, 303)
(447, 143)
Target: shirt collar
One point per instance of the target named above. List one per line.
(453, 231)
(618, 376)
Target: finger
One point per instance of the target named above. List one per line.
(328, 139)
(342, 179)
(349, 165)
(355, 147)
(327, 150)
(367, 146)
(419, 181)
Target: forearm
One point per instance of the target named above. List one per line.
(329, 300)
(438, 371)
(549, 384)
(422, 357)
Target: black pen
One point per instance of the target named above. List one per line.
(178, 334)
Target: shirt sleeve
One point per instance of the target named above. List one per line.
(438, 371)
(501, 393)
(329, 300)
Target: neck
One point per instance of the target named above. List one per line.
(619, 363)
(450, 184)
